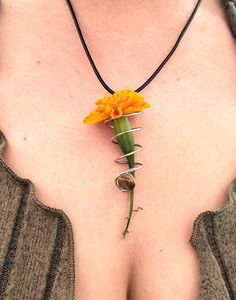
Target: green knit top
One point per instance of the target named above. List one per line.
(37, 248)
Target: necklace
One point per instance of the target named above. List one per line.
(115, 109)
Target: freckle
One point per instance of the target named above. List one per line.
(160, 250)
(38, 62)
(24, 138)
(202, 29)
(178, 79)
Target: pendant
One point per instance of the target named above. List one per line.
(115, 111)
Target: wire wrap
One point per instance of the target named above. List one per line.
(122, 159)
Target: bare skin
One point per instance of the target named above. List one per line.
(189, 139)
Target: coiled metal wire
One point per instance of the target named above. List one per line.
(126, 174)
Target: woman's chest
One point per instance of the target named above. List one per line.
(188, 156)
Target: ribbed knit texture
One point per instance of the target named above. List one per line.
(214, 239)
(36, 243)
(37, 249)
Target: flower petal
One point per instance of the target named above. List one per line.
(116, 112)
(114, 106)
(95, 117)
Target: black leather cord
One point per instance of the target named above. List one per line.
(157, 70)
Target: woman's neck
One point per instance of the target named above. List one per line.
(133, 17)
(158, 7)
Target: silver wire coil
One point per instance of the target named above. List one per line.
(122, 159)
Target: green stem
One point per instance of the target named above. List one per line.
(126, 143)
(130, 213)
(126, 140)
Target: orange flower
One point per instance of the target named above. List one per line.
(121, 102)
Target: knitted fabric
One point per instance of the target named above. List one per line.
(36, 243)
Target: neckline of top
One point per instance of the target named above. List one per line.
(54, 211)
(231, 196)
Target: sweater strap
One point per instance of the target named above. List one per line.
(231, 7)
(2, 142)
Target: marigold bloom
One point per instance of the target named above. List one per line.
(120, 103)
